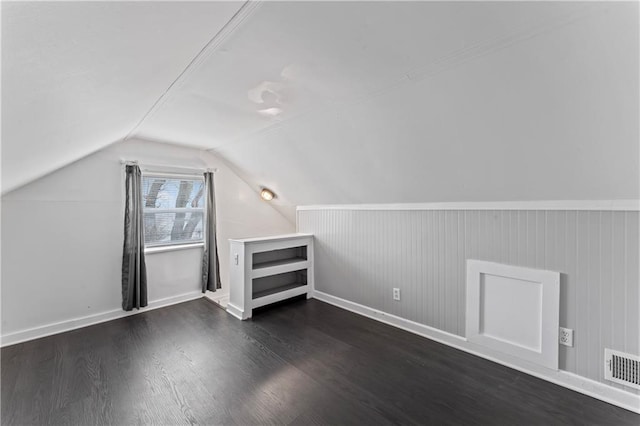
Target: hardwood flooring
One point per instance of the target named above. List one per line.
(304, 362)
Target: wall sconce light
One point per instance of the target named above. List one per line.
(267, 194)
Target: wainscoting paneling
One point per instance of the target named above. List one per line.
(362, 254)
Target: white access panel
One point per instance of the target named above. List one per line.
(514, 310)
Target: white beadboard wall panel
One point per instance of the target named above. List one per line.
(362, 254)
(570, 276)
(606, 268)
(633, 291)
(582, 279)
(618, 282)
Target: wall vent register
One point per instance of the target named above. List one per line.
(623, 368)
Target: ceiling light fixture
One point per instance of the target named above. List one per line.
(267, 194)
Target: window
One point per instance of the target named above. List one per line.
(173, 209)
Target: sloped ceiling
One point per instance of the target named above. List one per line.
(78, 76)
(370, 102)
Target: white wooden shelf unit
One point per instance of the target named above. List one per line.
(268, 270)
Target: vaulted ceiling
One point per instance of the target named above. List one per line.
(337, 102)
(78, 76)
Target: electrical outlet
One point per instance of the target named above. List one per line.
(235, 257)
(396, 294)
(566, 336)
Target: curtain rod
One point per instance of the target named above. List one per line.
(166, 166)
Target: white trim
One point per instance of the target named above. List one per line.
(173, 247)
(75, 323)
(283, 237)
(235, 311)
(598, 205)
(276, 297)
(173, 173)
(280, 269)
(601, 391)
(396, 321)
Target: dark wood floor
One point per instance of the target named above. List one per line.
(305, 362)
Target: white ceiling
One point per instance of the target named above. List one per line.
(311, 56)
(340, 102)
(78, 76)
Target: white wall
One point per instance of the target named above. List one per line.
(62, 237)
(360, 255)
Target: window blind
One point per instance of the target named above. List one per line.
(173, 209)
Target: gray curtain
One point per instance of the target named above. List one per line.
(134, 271)
(210, 262)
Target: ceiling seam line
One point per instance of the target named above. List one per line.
(227, 29)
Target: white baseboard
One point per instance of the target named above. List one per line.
(601, 391)
(235, 311)
(72, 324)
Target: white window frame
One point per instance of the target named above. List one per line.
(175, 245)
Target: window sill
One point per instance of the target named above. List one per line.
(162, 249)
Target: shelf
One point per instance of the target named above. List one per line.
(280, 267)
(278, 257)
(259, 294)
(278, 262)
(268, 270)
(278, 294)
(284, 237)
(263, 285)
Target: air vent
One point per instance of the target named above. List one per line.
(622, 368)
